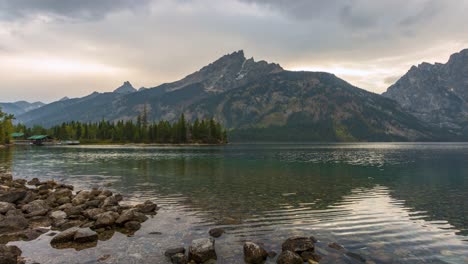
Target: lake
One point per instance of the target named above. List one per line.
(388, 202)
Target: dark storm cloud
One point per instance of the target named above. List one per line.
(75, 9)
(87, 45)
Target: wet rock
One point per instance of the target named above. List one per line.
(5, 207)
(13, 223)
(216, 232)
(132, 225)
(131, 215)
(85, 235)
(103, 258)
(110, 201)
(69, 224)
(65, 236)
(298, 244)
(93, 213)
(310, 256)
(93, 203)
(179, 258)
(75, 210)
(63, 200)
(35, 208)
(254, 254)
(289, 257)
(106, 219)
(147, 207)
(202, 250)
(34, 181)
(61, 193)
(336, 246)
(10, 255)
(13, 196)
(106, 193)
(172, 251)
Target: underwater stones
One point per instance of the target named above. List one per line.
(172, 251)
(254, 254)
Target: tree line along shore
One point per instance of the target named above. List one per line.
(204, 131)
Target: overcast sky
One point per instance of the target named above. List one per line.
(55, 48)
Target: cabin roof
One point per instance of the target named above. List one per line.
(38, 137)
(17, 134)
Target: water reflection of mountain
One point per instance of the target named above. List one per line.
(243, 184)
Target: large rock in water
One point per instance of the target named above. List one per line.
(254, 254)
(9, 254)
(85, 235)
(289, 257)
(298, 244)
(202, 250)
(65, 236)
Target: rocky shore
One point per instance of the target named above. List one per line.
(30, 209)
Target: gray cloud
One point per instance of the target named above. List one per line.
(153, 41)
(81, 9)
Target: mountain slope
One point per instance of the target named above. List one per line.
(309, 106)
(20, 107)
(436, 93)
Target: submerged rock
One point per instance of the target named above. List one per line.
(179, 258)
(216, 232)
(254, 254)
(336, 246)
(202, 250)
(172, 251)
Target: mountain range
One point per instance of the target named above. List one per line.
(260, 101)
(20, 107)
(436, 93)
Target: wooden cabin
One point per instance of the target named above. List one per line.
(40, 139)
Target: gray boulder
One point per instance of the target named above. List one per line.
(254, 254)
(106, 219)
(85, 235)
(5, 207)
(202, 250)
(298, 244)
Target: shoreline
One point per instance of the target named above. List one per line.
(78, 220)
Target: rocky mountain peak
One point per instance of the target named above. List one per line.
(228, 72)
(436, 93)
(125, 88)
